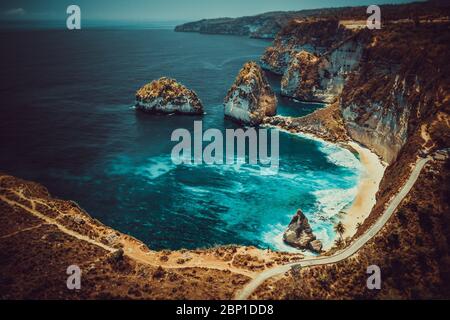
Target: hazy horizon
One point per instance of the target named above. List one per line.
(164, 11)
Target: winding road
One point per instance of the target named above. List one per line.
(346, 252)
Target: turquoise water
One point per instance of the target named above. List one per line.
(67, 123)
(290, 107)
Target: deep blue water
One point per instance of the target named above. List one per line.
(66, 122)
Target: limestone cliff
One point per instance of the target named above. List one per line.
(383, 91)
(315, 36)
(166, 95)
(402, 81)
(250, 98)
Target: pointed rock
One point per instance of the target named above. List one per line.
(250, 99)
(299, 234)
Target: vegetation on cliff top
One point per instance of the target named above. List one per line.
(167, 94)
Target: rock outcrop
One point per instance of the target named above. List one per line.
(326, 123)
(299, 234)
(168, 96)
(250, 98)
(314, 57)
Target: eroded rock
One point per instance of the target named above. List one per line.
(166, 95)
(299, 233)
(250, 98)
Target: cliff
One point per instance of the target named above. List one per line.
(401, 82)
(384, 88)
(314, 36)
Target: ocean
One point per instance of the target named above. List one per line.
(67, 122)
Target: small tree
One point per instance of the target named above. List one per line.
(338, 242)
(340, 229)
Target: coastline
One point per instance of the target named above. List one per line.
(368, 186)
(372, 173)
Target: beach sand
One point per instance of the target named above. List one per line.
(373, 171)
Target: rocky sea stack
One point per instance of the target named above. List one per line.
(299, 234)
(168, 96)
(250, 98)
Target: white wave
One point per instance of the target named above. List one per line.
(330, 202)
(274, 236)
(335, 154)
(340, 156)
(197, 190)
(155, 167)
(325, 233)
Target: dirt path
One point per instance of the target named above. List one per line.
(51, 221)
(132, 248)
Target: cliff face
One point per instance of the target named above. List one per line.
(384, 91)
(250, 98)
(401, 82)
(315, 36)
(314, 58)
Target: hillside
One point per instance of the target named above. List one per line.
(35, 228)
(267, 25)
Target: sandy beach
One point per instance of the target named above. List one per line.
(373, 171)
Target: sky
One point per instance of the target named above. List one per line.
(163, 10)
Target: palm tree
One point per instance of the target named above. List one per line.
(339, 228)
(338, 242)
